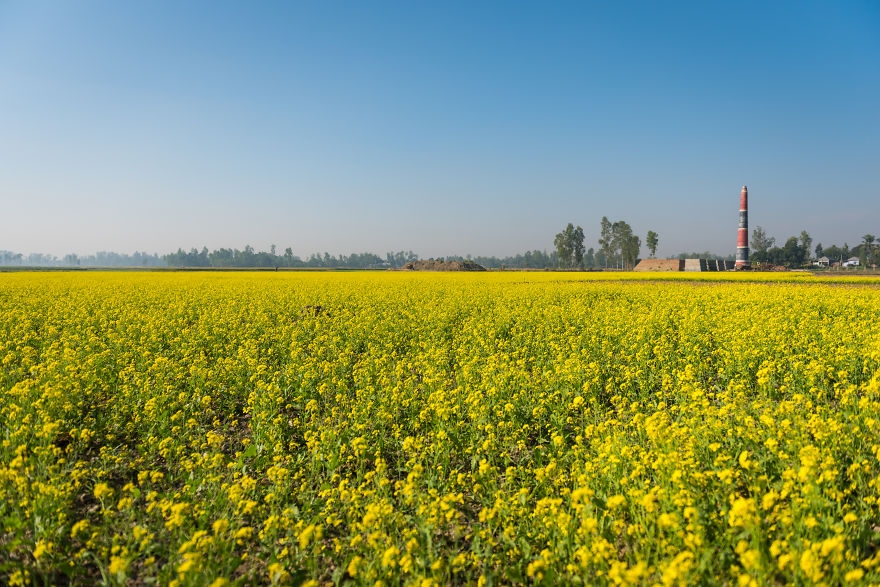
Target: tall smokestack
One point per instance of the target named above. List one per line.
(742, 235)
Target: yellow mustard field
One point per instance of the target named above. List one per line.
(438, 429)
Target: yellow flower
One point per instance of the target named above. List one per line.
(190, 562)
(389, 558)
(535, 568)
(742, 512)
(220, 526)
(101, 491)
(243, 533)
(615, 501)
(118, 565)
(354, 565)
(177, 515)
(42, 548)
(769, 499)
(19, 578)
(649, 502)
(277, 573)
(853, 576)
(306, 536)
(667, 520)
(78, 528)
(676, 571)
(811, 565)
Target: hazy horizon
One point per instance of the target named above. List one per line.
(305, 256)
(448, 129)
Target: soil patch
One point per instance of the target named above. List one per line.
(431, 265)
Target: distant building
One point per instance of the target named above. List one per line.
(823, 262)
(852, 262)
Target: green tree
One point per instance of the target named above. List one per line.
(577, 246)
(569, 246)
(868, 241)
(793, 254)
(606, 241)
(805, 242)
(625, 243)
(620, 231)
(590, 258)
(629, 251)
(651, 241)
(563, 245)
(761, 244)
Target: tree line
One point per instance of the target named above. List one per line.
(99, 259)
(797, 252)
(249, 257)
(618, 248)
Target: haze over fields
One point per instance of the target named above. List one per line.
(447, 128)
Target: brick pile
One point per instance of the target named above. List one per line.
(660, 265)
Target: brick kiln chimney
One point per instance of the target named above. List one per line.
(742, 234)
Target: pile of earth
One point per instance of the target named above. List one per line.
(431, 265)
(660, 265)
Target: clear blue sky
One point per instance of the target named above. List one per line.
(441, 127)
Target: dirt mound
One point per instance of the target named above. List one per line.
(431, 265)
(660, 265)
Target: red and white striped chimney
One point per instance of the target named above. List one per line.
(742, 235)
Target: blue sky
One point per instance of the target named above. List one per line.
(443, 127)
